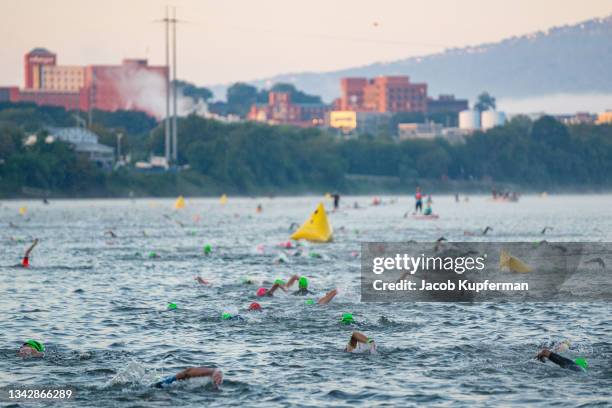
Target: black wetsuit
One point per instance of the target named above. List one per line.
(301, 292)
(564, 362)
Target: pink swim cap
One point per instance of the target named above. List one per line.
(261, 292)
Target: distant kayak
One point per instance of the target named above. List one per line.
(425, 217)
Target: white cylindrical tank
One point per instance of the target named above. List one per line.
(491, 118)
(469, 120)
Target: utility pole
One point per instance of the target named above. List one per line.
(167, 119)
(170, 122)
(174, 113)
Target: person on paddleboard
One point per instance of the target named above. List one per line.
(428, 210)
(418, 196)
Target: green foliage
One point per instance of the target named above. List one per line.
(252, 158)
(132, 123)
(45, 166)
(240, 97)
(195, 92)
(485, 102)
(297, 96)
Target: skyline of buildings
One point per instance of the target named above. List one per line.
(74, 87)
(134, 84)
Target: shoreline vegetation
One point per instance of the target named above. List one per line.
(252, 159)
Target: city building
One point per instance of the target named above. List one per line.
(604, 118)
(382, 94)
(280, 110)
(430, 131)
(133, 85)
(472, 120)
(9, 94)
(351, 122)
(413, 131)
(469, 120)
(579, 118)
(446, 104)
(490, 119)
(85, 143)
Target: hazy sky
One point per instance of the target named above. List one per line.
(229, 40)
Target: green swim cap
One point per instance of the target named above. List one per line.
(207, 249)
(152, 254)
(303, 282)
(347, 318)
(38, 346)
(280, 282)
(582, 362)
(226, 316)
(310, 302)
(172, 306)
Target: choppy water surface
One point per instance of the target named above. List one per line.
(99, 304)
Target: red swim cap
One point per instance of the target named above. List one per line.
(255, 306)
(25, 262)
(261, 292)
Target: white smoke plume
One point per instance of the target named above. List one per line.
(146, 90)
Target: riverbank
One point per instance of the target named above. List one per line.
(194, 184)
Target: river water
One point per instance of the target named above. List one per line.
(99, 303)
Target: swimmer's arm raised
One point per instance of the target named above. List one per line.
(27, 252)
(291, 281)
(328, 297)
(274, 287)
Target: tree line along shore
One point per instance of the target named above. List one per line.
(246, 158)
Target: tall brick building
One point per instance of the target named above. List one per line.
(133, 85)
(382, 94)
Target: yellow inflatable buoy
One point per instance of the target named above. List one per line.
(23, 210)
(316, 228)
(179, 203)
(223, 199)
(513, 263)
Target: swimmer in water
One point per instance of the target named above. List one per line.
(201, 281)
(25, 262)
(579, 364)
(360, 343)
(302, 285)
(270, 292)
(214, 373)
(32, 348)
